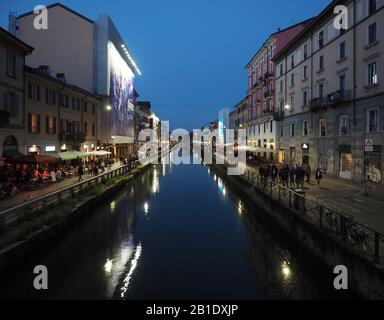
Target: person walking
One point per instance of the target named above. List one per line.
(308, 173)
(80, 172)
(292, 174)
(319, 176)
(274, 173)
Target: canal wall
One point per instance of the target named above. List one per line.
(16, 252)
(365, 278)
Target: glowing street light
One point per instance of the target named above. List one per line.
(287, 106)
(108, 107)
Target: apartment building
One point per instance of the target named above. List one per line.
(332, 93)
(59, 116)
(12, 120)
(262, 114)
(92, 55)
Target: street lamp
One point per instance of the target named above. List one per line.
(108, 107)
(287, 107)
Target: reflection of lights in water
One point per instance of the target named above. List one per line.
(155, 182)
(209, 171)
(214, 177)
(286, 270)
(164, 169)
(113, 206)
(146, 208)
(240, 208)
(108, 266)
(131, 269)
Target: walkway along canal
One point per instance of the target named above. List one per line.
(175, 232)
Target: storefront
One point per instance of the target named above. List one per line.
(345, 161)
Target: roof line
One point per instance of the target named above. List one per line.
(59, 5)
(276, 33)
(36, 72)
(28, 48)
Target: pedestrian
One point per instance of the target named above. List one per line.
(274, 173)
(319, 176)
(308, 173)
(80, 172)
(292, 174)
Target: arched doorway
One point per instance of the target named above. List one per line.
(10, 146)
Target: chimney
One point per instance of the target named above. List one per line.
(60, 76)
(13, 24)
(45, 69)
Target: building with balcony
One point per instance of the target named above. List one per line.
(92, 55)
(332, 93)
(12, 114)
(59, 116)
(263, 116)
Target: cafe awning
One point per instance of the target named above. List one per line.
(34, 159)
(12, 154)
(99, 153)
(72, 155)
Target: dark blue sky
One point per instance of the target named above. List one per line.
(192, 53)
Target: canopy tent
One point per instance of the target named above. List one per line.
(34, 159)
(99, 153)
(72, 155)
(12, 154)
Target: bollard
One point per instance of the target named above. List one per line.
(299, 201)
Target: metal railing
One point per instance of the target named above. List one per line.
(26, 210)
(355, 235)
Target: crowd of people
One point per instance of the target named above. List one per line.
(290, 176)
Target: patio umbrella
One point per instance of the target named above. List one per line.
(34, 159)
(71, 155)
(99, 153)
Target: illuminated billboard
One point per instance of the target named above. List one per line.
(121, 95)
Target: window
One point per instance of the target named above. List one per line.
(305, 98)
(93, 109)
(75, 104)
(372, 74)
(292, 130)
(265, 127)
(33, 92)
(305, 72)
(281, 130)
(93, 129)
(292, 103)
(321, 63)
(323, 127)
(372, 7)
(321, 39)
(292, 61)
(271, 126)
(50, 125)
(11, 103)
(342, 50)
(305, 49)
(281, 70)
(85, 107)
(292, 79)
(305, 128)
(11, 64)
(86, 128)
(373, 120)
(33, 123)
(372, 33)
(342, 83)
(281, 85)
(344, 125)
(271, 51)
(63, 100)
(50, 96)
(321, 90)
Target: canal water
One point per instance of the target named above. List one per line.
(176, 232)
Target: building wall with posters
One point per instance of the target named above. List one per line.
(92, 55)
(12, 61)
(335, 103)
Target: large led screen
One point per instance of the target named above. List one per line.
(121, 116)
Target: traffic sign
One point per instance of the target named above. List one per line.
(368, 145)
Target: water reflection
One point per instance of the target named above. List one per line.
(131, 270)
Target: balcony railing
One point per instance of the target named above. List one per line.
(78, 137)
(278, 116)
(317, 104)
(339, 96)
(269, 94)
(267, 75)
